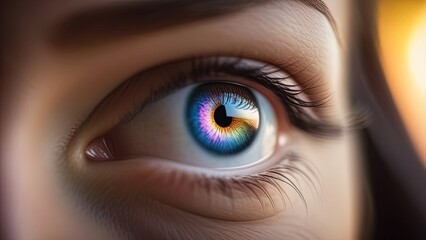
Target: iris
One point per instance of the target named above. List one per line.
(223, 117)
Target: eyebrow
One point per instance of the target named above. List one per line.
(114, 20)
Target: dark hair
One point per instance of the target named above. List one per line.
(396, 194)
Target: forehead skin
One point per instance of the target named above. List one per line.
(25, 34)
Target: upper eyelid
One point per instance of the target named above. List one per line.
(260, 47)
(319, 126)
(100, 108)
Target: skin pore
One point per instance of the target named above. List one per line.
(67, 71)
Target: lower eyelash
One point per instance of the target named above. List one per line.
(291, 172)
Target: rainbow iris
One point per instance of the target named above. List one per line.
(223, 117)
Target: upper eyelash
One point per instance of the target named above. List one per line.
(296, 108)
(287, 93)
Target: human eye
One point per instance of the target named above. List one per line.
(211, 135)
(209, 112)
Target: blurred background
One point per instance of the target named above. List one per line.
(402, 50)
(389, 76)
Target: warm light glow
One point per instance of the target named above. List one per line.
(417, 54)
(402, 37)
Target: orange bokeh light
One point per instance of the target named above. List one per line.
(402, 39)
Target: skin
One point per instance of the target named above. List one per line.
(51, 90)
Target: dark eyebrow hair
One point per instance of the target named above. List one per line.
(108, 22)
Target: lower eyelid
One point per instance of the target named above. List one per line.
(241, 198)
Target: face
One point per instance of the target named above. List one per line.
(178, 119)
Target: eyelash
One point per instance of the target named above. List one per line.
(296, 107)
(287, 171)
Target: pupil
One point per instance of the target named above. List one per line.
(220, 117)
